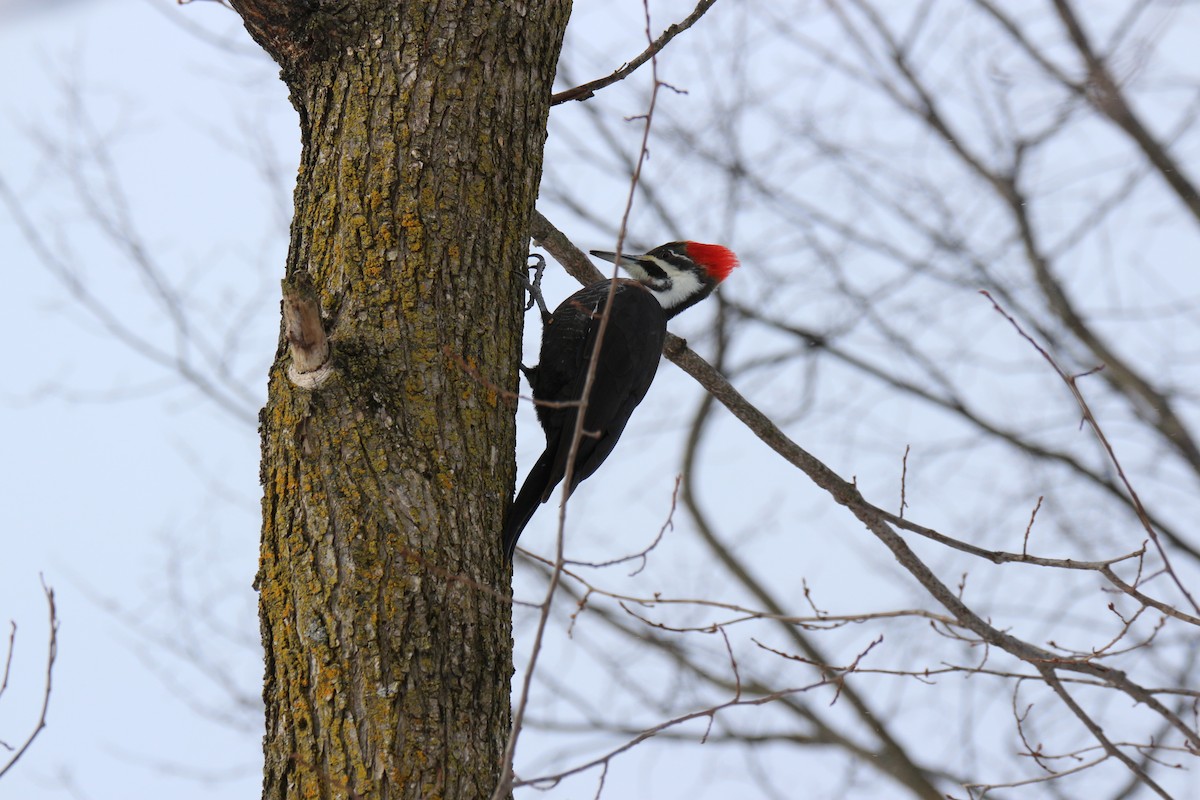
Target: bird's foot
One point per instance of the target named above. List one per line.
(534, 286)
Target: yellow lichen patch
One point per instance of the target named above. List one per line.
(410, 221)
(386, 236)
(379, 461)
(376, 202)
(327, 683)
(373, 270)
(414, 230)
(310, 789)
(428, 198)
(360, 231)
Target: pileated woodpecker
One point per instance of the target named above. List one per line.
(664, 282)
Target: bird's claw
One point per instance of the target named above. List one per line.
(534, 287)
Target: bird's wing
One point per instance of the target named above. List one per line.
(565, 349)
(628, 360)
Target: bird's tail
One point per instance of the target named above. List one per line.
(534, 491)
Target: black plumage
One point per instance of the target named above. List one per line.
(665, 281)
(628, 360)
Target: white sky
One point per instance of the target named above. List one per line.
(93, 489)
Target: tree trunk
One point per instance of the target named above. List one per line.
(387, 632)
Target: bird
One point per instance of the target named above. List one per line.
(663, 282)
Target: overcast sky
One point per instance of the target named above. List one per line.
(108, 474)
(136, 495)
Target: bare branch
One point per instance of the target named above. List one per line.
(1072, 384)
(1051, 678)
(1105, 94)
(877, 521)
(586, 90)
(47, 681)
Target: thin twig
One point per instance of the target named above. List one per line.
(1051, 679)
(586, 90)
(48, 680)
(1071, 381)
(1029, 527)
(877, 521)
(506, 779)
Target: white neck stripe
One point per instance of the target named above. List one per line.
(684, 284)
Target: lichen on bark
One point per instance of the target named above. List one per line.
(388, 641)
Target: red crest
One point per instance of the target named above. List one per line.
(717, 261)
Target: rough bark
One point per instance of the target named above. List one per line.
(387, 633)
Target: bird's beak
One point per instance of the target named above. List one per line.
(635, 265)
(627, 259)
(611, 258)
